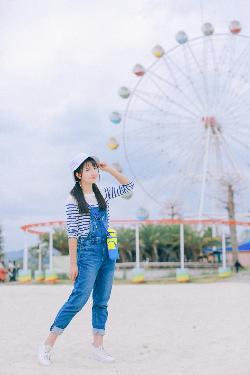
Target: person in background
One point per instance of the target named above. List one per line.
(3, 271)
(238, 266)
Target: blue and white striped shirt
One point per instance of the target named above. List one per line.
(78, 224)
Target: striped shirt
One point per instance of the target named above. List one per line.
(78, 224)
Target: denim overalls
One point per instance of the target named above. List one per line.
(95, 272)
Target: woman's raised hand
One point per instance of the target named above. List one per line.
(104, 166)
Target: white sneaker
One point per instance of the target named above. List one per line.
(44, 354)
(99, 354)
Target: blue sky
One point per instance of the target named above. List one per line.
(61, 65)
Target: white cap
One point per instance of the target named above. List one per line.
(78, 160)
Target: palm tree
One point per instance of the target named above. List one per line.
(60, 240)
(151, 238)
(126, 244)
(195, 243)
(162, 242)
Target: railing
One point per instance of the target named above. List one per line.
(147, 265)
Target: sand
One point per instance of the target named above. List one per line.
(152, 329)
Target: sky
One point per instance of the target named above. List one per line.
(61, 65)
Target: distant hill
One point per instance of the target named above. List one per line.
(13, 255)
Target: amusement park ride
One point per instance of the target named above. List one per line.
(188, 115)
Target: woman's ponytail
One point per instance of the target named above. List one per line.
(77, 193)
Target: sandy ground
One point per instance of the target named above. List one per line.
(153, 329)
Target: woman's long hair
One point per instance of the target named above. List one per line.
(77, 192)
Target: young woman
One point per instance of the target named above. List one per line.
(91, 269)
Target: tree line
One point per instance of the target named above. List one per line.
(158, 243)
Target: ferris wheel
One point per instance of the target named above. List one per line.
(185, 128)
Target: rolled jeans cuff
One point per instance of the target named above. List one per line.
(98, 331)
(56, 330)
